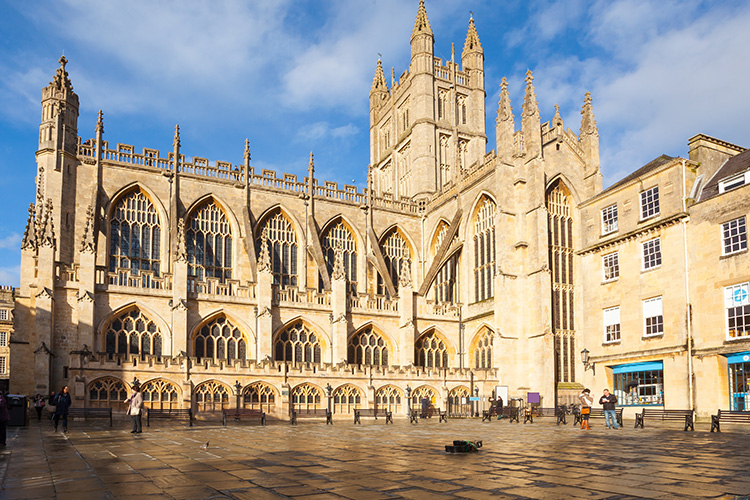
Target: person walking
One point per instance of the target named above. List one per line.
(39, 406)
(62, 405)
(135, 408)
(586, 400)
(608, 402)
(4, 418)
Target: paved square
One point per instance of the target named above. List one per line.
(374, 461)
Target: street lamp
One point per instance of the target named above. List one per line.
(237, 389)
(329, 389)
(587, 364)
(408, 399)
(476, 394)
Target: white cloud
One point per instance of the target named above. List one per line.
(10, 275)
(11, 242)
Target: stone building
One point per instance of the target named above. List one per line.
(6, 329)
(456, 271)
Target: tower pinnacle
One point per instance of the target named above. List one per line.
(378, 81)
(421, 24)
(472, 38)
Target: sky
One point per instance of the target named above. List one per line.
(293, 76)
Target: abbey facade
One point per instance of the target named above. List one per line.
(455, 273)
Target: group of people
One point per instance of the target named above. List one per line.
(608, 402)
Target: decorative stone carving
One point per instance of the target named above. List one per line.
(29, 234)
(404, 275)
(86, 296)
(179, 305)
(43, 349)
(46, 293)
(48, 226)
(266, 311)
(181, 252)
(264, 260)
(88, 244)
(530, 105)
(339, 272)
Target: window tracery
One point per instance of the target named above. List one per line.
(395, 251)
(282, 246)
(220, 339)
(134, 234)
(259, 396)
(431, 351)
(484, 250)
(389, 398)
(132, 332)
(346, 399)
(212, 396)
(108, 392)
(297, 344)
(208, 241)
(483, 350)
(367, 347)
(160, 394)
(306, 397)
(340, 237)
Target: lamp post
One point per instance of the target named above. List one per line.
(408, 400)
(587, 364)
(237, 389)
(329, 389)
(476, 394)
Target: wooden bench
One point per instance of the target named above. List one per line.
(87, 413)
(509, 411)
(311, 413)
(239, 413)
(598, 413)
(732, 416)
(178, 413)
(488, 415)
(538, 411)
(374, 413)
(662, 414)
(433, 412)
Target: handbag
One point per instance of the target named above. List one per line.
(585, 410)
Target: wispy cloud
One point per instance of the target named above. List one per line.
(11, 242)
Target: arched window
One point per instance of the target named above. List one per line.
(484, 250)
(297, 344)
(208, 240)
(220, 339)
(132, 332)
(367, 347)
(346, 399)
(561, 252)
(458, 402)
(445, 285)
(108, 392)
(212, 396)
(282, 243)
(422, 397)
(483, 350)
(388, 398)
(339, 236)
(431, 351)
(395, 252)
(160, 394)
(445, 160)
(259, 396)
(134, 234)
(306, 397)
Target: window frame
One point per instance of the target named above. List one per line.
(734, 182)
(3, 339)
(616, 277)
(657, 254)
(646, 303)
(612, 226)
(612, 310)
(729, 294)
(741, 222)
(645, 203)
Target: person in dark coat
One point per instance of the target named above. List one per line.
(4, 418)
(62, 405)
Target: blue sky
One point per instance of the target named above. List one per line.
(294, 76)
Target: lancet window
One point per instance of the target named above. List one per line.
(212, 396)
(132, 332)
(445, 286)
(561, 252)
(208, 241)
(404, 172)
(388, 398)
(259, 396)
(160, 394)
(306, 397)
(346, 399)
(395, 252)
(423, 396)
(367, 347)
(220, 339)
(108, 392)
(484, 250)
(445, 160)
(458, 402)
(297, 344)
(430, 351)
(134, 234)
(282, 246)
(483, 350)
(340, 237)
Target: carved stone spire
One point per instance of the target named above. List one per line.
(61, 81)
(378, 81)
(530, 106)
(588, 123)
(339, 272)
(404, 275)
(48, 226)
(181, 252)
(421, 24)
(557, 119)
(88, 245)
(530, 122)
(504, 109)
(29, 235)
(246, 155)
(505, 126)
(472, 38)
(100, 122)
(264, 260)
(176, 141)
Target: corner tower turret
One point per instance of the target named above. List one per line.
(59, 127)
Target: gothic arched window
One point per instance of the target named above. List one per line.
(339, 236)
(430, 351)
(458, 402)
(445, 285)
(132, 332)
(388, 398)
(306, 397)
(219, 339)
(259, 396)
(484, 250)
(445, 160)
(346, 399)
(483, 351)
(134, 234)
(421, 394)
(212, 396)
(208, 241)
(367, 347)
(395, 252)
(160, 394)
(108, 392)
(297, 344)
(282, 247)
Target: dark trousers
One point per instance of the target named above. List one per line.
(3, 425)
(64, 418)
(39, 412)
(136, 423)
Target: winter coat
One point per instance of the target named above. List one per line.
(608, 402)
(136, 404)
(62, 404)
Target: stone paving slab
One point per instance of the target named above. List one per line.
(373, 462)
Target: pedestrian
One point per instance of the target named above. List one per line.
(608, 402)
(38, 406)
(586, 400)
(62, 405)
(135, 408)
(4, 418)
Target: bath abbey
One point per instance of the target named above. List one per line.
(463, 272)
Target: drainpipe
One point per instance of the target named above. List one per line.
(688, 310)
